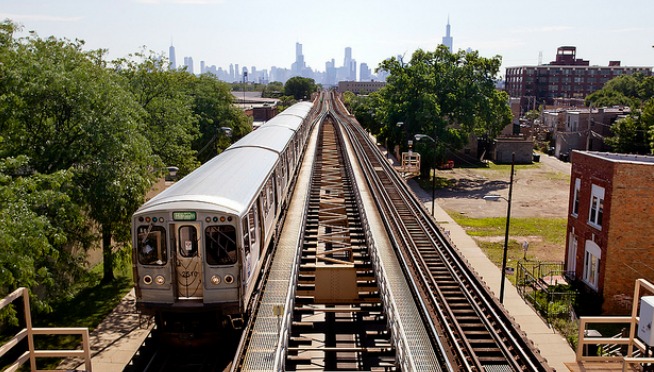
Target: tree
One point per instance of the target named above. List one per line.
(626, 90)
(66, 111)
(300, 88)
(445, 95)
(171, 126)
(213, 106)
(274, 89)
(635, 133)
(42, 233)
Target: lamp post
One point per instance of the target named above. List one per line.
(418, 137)
(506, 231)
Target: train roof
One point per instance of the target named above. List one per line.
(301, 109)
(229, 182)
(272, 138)
(291, 118)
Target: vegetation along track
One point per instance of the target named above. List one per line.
(479, 333)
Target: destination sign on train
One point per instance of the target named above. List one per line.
(184, 216)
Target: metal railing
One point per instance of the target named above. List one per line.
(537, 283)
(28, 333)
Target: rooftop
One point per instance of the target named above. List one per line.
(621, 158)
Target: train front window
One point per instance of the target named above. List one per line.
(188, 241)
(220, 244)
(151, 245)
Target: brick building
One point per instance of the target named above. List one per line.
(360, 87)
(567, 77)
(585, 129)
(610, 226)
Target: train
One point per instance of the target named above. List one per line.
(199, 246)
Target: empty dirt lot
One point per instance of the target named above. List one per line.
(539, 190)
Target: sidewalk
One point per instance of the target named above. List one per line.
(116, 339)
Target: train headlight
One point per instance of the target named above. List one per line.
(229, 279)
(160, 280)
(147, 279)
(215, 280)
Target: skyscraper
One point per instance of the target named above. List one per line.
(447, 39)
(188, 62)
(299, 65)
(171, 57)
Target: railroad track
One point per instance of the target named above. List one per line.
(480, 334)
(338, 320)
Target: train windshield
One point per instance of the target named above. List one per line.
(220, 243)
(151, 245)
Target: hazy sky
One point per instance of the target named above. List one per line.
(263, 33)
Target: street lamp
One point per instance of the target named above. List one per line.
(418, 137)
(508, 220)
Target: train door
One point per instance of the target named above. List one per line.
(188, 265)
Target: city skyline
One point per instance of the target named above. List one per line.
(224, 32)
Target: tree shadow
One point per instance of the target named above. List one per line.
(472, 188)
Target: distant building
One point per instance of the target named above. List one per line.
(447, 39)
(172, 58)
(364, 72)
(565, 78)
(582, 129)
(188, 62)
(610, 230)
(360, 87)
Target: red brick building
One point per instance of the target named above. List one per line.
(567, 77)
(610, 225)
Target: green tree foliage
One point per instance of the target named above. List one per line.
(274, 89)
(213, 106)
(628, 90)
(445, 95)
(635, 133)
(300, 88)
(171, 125)
(42, 232)
(65, 111)
(364, 109)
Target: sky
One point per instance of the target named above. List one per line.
(263, 33)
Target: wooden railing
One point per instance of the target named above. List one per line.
(28, 332)
(636, 352)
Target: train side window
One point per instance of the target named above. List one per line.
(252, 219)
(151, 245)
(188, 241)
(246, 235)
(270, 196)
(264, 199)
(220, 243)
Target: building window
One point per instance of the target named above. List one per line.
(575, 201)
(592, 259)
(596, 206)
(572, 253)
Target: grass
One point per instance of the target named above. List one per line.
(551, 230)
(546, 237)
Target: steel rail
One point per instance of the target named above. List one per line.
(518, 352)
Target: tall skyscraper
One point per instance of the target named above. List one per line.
(447, 39)
(364, 72)
(299, 65)
(171, 57)
(349, 65)
(188, 62)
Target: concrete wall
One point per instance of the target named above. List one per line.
(524, 151)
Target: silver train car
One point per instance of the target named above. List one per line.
(198, 247)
